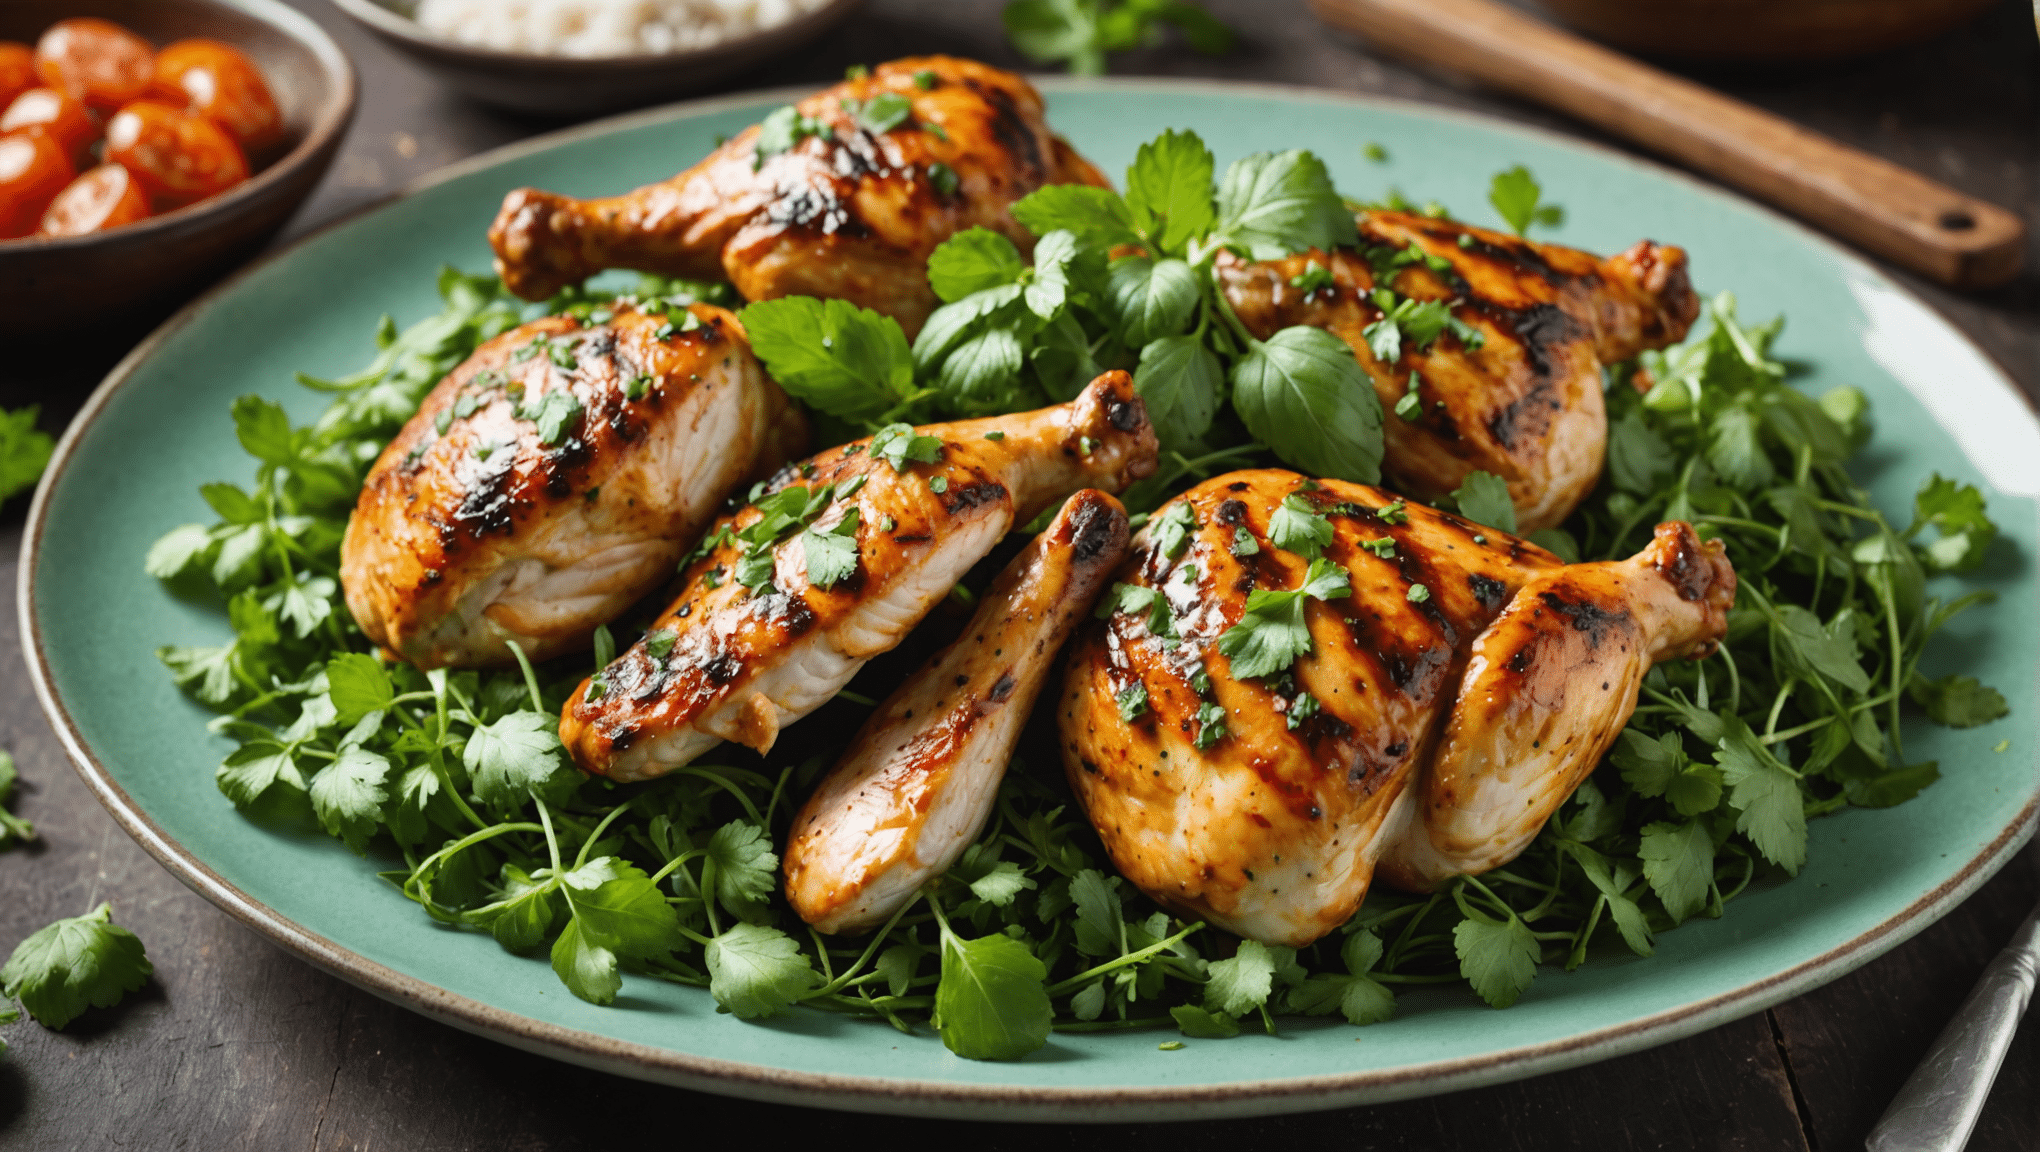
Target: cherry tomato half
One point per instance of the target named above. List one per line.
(17, 70)
(106, 197)
(178, 158)
(97, 61)
(33, 170)
(221, 85)
(57, 116)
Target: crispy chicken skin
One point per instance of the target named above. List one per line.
(1526, 405)
(851, 215)
(741, 665)
(1448, 728)
(471, 532)
(924, 771)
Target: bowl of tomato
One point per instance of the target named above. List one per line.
(147, 146)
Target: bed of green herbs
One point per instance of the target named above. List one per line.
(1710, 785)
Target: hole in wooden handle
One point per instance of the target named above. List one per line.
(1957, 220)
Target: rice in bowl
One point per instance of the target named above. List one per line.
(598, 28)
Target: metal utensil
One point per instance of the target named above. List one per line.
(1939, 1104)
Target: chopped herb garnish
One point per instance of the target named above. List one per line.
(1314, 277)
(634, 388)
(1418, 594)
(1272, 633)
(898, 443)
(782, 130)
(1411, 405)
(924, 80)
(1171, 529)
(1374, 152)
(1298, 527)
(1393, 512)
(995, 435)
(660, 643)
(1133, 703)
(1243, 542)
(1382, 546)
(938, 483)
(1133, 600)
(1210, 725)
(1301, 709)
(942, 178)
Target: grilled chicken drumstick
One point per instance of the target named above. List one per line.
(764, 632)
(554, 478)
(923, 772)
(850, 209)
(1525, 404)
(1433, 731)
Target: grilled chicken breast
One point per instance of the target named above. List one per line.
(846, 201)
(924, 771)
(1432, 732)
(736, 661)
(553, 479)
(1521, 397)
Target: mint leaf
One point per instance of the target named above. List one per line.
(1302, 394)
(67, 966)
(992, 1003)
(1498, 957)
(1179, 379)
(1678, 860)
(1484, 499)
(1273, 204)
(513, 757)
(1169, 190)
(755, 972)
(1152, 298)
(971, 261)
(832, 355)
(1097, 216)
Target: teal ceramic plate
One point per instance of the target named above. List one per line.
(130, 468)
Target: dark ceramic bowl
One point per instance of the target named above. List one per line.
(572, 86)
(75, 280)
(1773, 30)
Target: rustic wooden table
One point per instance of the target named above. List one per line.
(237, 1045)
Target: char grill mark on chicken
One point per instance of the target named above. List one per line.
(1418, 702)
(1526, 404)
(924, 771)
(555, 477)
(850, 214)
(736, 664)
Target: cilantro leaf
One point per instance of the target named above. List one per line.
(1133, 599)
(1958, 701)
(528, 912)
(1273, 204)
(1498, 957)
(896, 444)
(1483, 498)
(1133, 703)
(513, 757)
(1515, 194)
(1055, 263)
(357, 684)
(746, 870)
(1304, 395)
(1171, 529)
(12, 828)
(67, 966)
(992, 1001)
(1179, 379)
(619, 909)
(1956, 512)
(1099, 919)
(1000, 885)
(756, 972)
(1081, 32)
(24, 451)
(348, 796)
(1297, 526)
(556, 413)
(1241, 984)
(1678, 860)
(1272, 633)
(251, 770)
(1639, 460)
(1893, 787)
(1096, 216)
(971, 261)
(1169, 190)
(831, 556)
(1766, 797)
(587, 969)
(832, 355)
(782, 129)
(1199, 1024)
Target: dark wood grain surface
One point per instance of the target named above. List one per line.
(235, 1044)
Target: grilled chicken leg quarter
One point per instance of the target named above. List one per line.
(924, 771)
(886, 536)
(553, 479)
(851, 209)
(1521, 397)
(1430, 731)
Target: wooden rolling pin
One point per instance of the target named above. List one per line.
(1894, 212)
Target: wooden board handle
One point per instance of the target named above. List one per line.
(1894, 212)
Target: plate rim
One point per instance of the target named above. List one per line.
(955, 1099)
